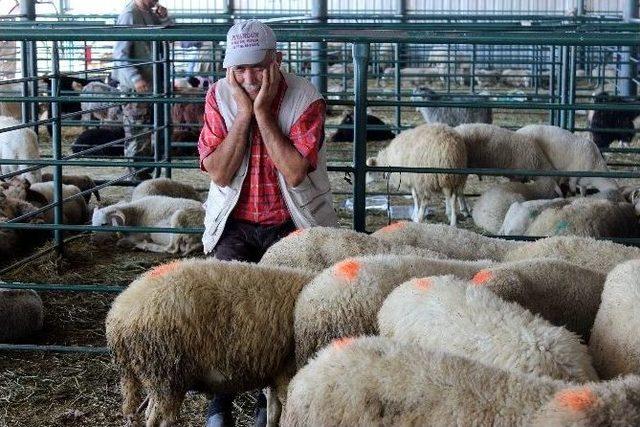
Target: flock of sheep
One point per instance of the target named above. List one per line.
(536, 208)
(414, 325)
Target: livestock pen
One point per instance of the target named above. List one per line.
(62, 376)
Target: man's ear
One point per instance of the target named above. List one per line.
(279, 58)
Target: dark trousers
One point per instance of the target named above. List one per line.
(242, 241)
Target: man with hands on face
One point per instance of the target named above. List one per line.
(262, 146)
(137, 78)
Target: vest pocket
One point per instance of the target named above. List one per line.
(308, 191)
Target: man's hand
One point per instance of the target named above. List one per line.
(161, 11)
(268, 89)
(141, 86)
(245, 106)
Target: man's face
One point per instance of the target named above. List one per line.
(249, 76)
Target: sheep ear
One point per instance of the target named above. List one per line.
(371, 161)
(116, 218)
(76, 86)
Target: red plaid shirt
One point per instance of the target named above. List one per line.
(261, 201)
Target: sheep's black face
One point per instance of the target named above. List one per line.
(348, 119)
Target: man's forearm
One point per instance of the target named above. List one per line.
(224, 162)
(282, 152)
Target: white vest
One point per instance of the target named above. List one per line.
(310, 203)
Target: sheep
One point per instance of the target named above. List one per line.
(563, 293)
(156, 211)
(102, 135)
(19, 144)
(74, 211)
(165, 187)
(188, 116)
(21, 313)
(109, 112)
(486, 78)
(454, 243)
(317, 248)
(412, 75)
(490, 146)
(377, 381)
(596, 255)
(346, 135)
(622, 121)
(516, 78)
(11, 109)
(447, 314)
(344, 299)
(430, 145)
(522, 214)
(615, 343)
(202, 324)
(10, 239)
(569, 152)
(490, 208)
(452, 116)
(83, 182)
(587, 218)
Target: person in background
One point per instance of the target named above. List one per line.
(137, 78)
(262, 146)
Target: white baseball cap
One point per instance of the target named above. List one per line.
(247, 43)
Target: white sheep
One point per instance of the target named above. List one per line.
(19, 144)
(21, 313)
(521, 214)
(412, 75)
(569, 152)
(615, 337)
(516, 77)
(430, 145)
(317, 248)
(563, 293)
(486, 78)
(377, 381)
(202, 324)
(165, 187)
(490, 208)
(444, 313)
(83, 182)
(156, 211)
(11, 109)
(74, 211)
(455, 243)
(596, 255)
(343, 300)
(587, 217)
(109, 112)
(490, 146)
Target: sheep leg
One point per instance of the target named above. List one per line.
(416, 205)
(421, 210)
(464, 206)
(164, 408)
(154, 247)
(131, 390)
(274, 407)
(453, 216)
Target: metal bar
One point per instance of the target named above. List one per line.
(628, 68)
(155, 136)
(168, 92)
(56, 140)
(64, 287)
(319, 49)
(571, 114)
(360, 64)
(54, 348)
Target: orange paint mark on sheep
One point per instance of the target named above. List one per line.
(348, 269)
(423, 283)
(295, 232)
(341, 343)
(163, 269)
(482, 277)
(393, 227)
(576, 399)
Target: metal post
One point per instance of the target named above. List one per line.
(168, 92)
(401, 11)
(28, 12)
(319, 49)
(397, 86)
(56, 141)
(582, 55)
(564, 85)
(629, 68)
(552, 84)
(571, 114)
(157, 119)
(360, 64)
